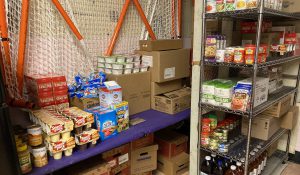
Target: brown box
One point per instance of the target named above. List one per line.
(91, 168)
(170, 143)
(142, 142)
(118, 159)
(145, 173)
(167, 65)
(144, 159)
(263, 127)
(84, 103)
(291, 6)
(173, 166)
(280, 108)
(271, 150)
(173, 102)
(135, 90)
(289, 120)
(163, 44)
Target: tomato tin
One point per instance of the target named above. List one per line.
(211, 6)
(262, 57)
(229, 55)
(239, 55)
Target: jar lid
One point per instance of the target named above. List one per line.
(22, 147)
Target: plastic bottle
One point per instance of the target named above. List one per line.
(240, 169)
(24, 158)
(219, 168)
(206, 167)
(214, 161)
(231, 171)
(260, 161)
(255, 164)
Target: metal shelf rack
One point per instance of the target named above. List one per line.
(243, 148)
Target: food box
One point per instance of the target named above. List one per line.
(159, 45)
(289, 120)
(291, 6)
(110, 95)
(263, 127)
(60, 145)
(167, 65)
(170, 143)
(142, 142)
(118, 159)
(173, 102)
(145, 173)
(122, 113)
(279, 109)
(105, 122)
(84, 103)
(135, 90)
(94, 167)
(144, 159)
(174, 166)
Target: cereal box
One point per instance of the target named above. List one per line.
(110, 94)
(122, 113)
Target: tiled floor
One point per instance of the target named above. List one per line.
(291, 169)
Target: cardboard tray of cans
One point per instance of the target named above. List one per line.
(118, 65)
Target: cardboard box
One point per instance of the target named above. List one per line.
(173, 102)
(84, 103)
(135, 90)
(271, 150)
(289, 120)
(263, 127)
(291, 6)
(118, 159)
(161, 88)
(280, 108)
(170, 143)
(167, 65)
(145, 173)
(162, 44)
(173, 166)
(90, 167)
(144, 159)
(142, 142)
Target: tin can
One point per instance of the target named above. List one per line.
(205, 139)
(240, 4)
(218, 133)
(220, 5)
(206, 125)
(251, 4)
(225, 135)
(239, 55)
(224, 147)
(229, 55)
(35, 137)
(220, 55)
(40, 158)
(213, 143)
(211, 6)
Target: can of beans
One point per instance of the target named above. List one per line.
(34, 135)
(239, 55)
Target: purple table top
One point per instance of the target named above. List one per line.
(154, 121)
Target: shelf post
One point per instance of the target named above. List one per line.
(195, 127)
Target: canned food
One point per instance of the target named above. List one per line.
(225, 135)
(229, 6)
(220, 55)
(213, 143)
(250, 53)
(35, 137)
(240, 4)
(251, 4)
(229, 55)
(205, 139)
(239, 55)
(220, 5)
(218, 133)
(211, 6)
(224, 147)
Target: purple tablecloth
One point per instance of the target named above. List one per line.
(154, 121)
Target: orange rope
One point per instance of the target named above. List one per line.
(117, 29)
(67, 19)
(142, 15)
(22, 45)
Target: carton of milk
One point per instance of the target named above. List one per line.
(110, 94)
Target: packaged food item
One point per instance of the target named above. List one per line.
(144, 69)
(130, 59)
(220, 55)
(35, 137)
(213, 121)
(121, 59)
(220, 5)
(205, 139)
(111, 94)
(208, 92)
(68, 152)
(229, 55)
(250, 53)
(122, 113)
(108, 65)
(39, 154)
(210, 48)
(239, 55)
(101, 59)
(24, 158)
(240, 4)
(117, 71)
(230, 5)
(211, 6)
(129, 71)
(117, 66)
(128, 65)
(241, 97)
(252, 4)
(135, 70)
(206, 125)
(213, 143)
(223, 93)
(110, 59)
(224, 147)
(57, 156)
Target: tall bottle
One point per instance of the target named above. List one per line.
(240, 168)
(219, 168)
(254, 165)
(231, 171)
(206, 167)
(260, 160)
(214, 160)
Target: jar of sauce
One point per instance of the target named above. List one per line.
(24, 158)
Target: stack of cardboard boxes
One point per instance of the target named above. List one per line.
(172, 156)
(169, 63)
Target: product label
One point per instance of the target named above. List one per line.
(79, 121)
(56, 128)
(124, 158)
(147, 61)
(169, 73)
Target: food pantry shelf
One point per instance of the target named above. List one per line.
(154, 121)
(273, 98)
(237, 151)
(270, 62)
(253, 14)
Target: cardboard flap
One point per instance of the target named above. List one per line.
(178, 93)
(172, 137)
(143, 150)
(111, 85)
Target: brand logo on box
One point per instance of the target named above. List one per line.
(84, 138)
(58, 146)
(79, 121)
(57, 128)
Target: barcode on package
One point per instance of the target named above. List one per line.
(169, 73)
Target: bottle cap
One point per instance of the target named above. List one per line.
(22, 147)
(255, 149)
(243, 160)
(252, 153)
(238, 163)
(207, 158)
(233, 167)
(213, 155)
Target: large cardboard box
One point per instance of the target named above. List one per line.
(167, 65)
(271, 150)
(84, 103)
(170, 143)
(135, 90)
(173, 102)
(90, 168)
(161, 88)
(142, 142)
(118, 159)
(263, 127)
(158, 45)
(144, 159)
(291, 6)
(173, 166)
(280, 108)
(289, 120)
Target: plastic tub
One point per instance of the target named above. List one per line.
(136, 70)
(108, 65)
(110, 59)
(117, 71)
(128, 65)
(117, 66)
(127, 71)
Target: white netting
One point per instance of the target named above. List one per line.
(53, 48)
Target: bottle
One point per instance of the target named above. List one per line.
(231, 171)
(206, 168)
(255, 164)
(259, 160)
(214, 161)
(219, 168)
(24, 158)
(240, 169)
